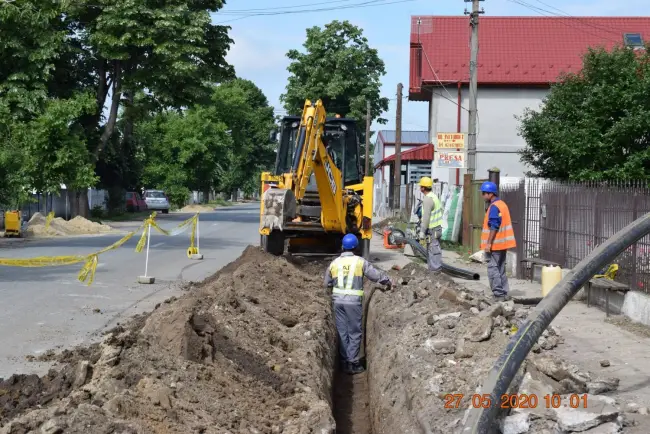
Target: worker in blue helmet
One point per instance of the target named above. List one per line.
(497, 238)
(345, 276)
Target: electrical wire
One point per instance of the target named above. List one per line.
(543, 12)
(364, 4)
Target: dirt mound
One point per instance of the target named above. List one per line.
(249, 351)
(36, 227)
(197, 208)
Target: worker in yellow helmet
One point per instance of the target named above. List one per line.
(431, 224)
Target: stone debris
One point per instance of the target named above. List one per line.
(603, 385)
(482, 329)
(605, 363)
(515, 424)
(578, 418)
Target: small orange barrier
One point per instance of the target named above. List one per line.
(387, 244)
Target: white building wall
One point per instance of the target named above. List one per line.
(497, 140)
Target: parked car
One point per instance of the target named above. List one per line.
(134, 202)
(157, 200)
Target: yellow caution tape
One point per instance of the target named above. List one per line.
(87, 272)
(48, 219)
(90, 260)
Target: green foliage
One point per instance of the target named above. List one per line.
(222, 146)
(182, 152)
(245, 110)
(63, 63)
(339, 67)
(97, 212)
(594, 125)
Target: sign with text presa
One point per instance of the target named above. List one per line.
(450, 160)
(451, 141)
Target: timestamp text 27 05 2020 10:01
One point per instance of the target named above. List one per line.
(456, 400)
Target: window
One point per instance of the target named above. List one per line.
(155, 194)
(633, 40)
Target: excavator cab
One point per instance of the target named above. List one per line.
(341, 139)
(317, 191)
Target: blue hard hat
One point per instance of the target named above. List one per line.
(489, 187)
(350, 242)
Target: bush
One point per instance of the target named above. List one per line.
(97, 212)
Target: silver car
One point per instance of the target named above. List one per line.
(156, 200)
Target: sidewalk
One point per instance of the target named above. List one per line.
(588, 337)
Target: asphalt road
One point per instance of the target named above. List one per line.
(48, 308)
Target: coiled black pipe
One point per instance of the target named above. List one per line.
(400, 237)
(481, 420)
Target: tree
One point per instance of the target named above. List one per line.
(182, 152)
(244, 108)
(595, 124)
(169, 49)
(339, 67)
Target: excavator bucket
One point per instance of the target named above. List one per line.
(279, 207)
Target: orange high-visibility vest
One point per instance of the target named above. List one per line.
(505, 238)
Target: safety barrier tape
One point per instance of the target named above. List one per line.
(87, 272)
(48, 219)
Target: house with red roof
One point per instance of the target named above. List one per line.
(518, 60)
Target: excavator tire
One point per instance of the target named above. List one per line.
(273, 243)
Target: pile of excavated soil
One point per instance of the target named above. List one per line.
(36, 227)
(197, 208)
(251, 350)
(430, 344)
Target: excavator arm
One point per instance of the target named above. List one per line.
(314, 158)
(313, 218)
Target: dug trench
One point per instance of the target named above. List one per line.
(253, 350)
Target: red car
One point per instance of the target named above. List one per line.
(134, 202)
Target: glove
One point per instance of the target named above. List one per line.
(422, 236)
(437, 233)
(389, 285)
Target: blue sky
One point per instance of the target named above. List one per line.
(261, 42)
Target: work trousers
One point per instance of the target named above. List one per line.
(434, 260)
(497, 272)
(349, 327)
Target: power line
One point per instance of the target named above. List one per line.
(277, 8)
(543, 12)
(365, 4)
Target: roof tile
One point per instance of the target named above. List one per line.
(514, 50)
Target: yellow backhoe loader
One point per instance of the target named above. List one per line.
(317, 192)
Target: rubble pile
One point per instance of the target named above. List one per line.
(251, 350)
(431, 345)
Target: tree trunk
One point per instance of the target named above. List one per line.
(115, 106)
(80, 204)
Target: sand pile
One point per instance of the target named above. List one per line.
(36, 227)
(251, 350)
(197, 208)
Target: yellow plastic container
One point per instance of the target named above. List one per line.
(551, 276)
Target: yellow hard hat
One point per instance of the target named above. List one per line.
(426, 182)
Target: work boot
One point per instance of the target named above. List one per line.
(345, 367)
(357, 368)
(505, 297)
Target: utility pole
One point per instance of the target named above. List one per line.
(473, 85)
(398, 149)
(367, 138)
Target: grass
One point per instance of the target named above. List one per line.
(220, 202)
(456, 247)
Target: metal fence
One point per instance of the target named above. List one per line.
(564, 222)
